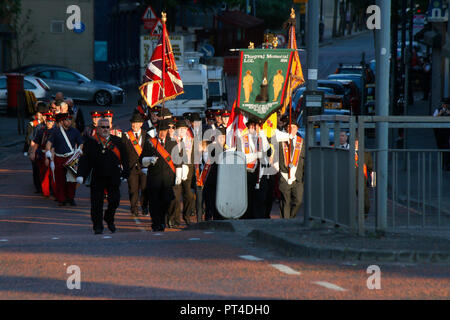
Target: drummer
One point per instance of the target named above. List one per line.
(61, 145)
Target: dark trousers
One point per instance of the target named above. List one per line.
(291, 198)
(209, 194)
(137, 182)
(199, 203)
(36, 178)
(98, 186)
(184, 193)
(251, 193)
(160, 194)
(174, 209)
(264, 197)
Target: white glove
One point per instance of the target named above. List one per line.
(146, 161)
(153, 160)
(185, 171)
(52, 165)
(178, 175)
(144, 171)
(80, 180)
(48, 154)
(152, 132)
(25, 154)
(123, 179)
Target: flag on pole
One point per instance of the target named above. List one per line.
(235, 127)
(152, 84)
(296, 66)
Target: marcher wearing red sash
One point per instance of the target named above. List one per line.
(156, 156)
(134, 141)
(106, 161)
(91, 130)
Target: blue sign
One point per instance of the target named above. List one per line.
(207, 50)
(79, 28)
(436, 13)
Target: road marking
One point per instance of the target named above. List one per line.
(194, 239)
(106, 237)
(157, 234)
(251, 258)
(285, 269)
(55, 238)
(329, 285)
(4, 240)
(208, 232)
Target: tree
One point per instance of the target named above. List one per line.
(24, 36)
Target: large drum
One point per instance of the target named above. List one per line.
(231, 198)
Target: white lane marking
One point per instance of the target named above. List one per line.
(157, 234)
(329, 285)
(4, 240)
(250, 258)
(194, 239)
(208, 232)
(55, 238)
(106, 237)
(285, 269)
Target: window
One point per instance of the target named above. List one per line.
(27, 85)
(44, 74)
(56, 26)
(191, 92)
(2, 83)
(214, 88)
(66, 76)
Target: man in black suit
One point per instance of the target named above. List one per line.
(156, 156)
(105, 160)
(134, 141)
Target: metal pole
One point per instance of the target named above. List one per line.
(312, 44)
(382, 55)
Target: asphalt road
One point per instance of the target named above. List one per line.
(41, 242)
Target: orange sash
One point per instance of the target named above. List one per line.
(201, 177)
(109, 145)
(296, 155)
(365, 167)
(250, 165)
(134, 142)
(163, 153)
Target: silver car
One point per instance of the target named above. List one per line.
(77, 86)
(38, 86)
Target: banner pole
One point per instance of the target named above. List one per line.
(164, 19)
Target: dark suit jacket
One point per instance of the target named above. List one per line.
(160, 170)
(103, 165)
(133, 157)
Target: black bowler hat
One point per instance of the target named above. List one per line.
(165, 112)
(163, 124)
(195, 117)
(136, 117)
(182, 123)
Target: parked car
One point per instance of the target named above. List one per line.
(77, 86)
(297, 98)
(38, 86)
(357, 69)
(353, 94)
(340, 89)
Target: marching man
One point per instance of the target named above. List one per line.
(134, 141)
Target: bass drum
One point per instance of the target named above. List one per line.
(231, 197)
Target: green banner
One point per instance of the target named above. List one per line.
(263, 80)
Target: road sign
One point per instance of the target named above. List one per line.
(149, 18)
(436, 12)
(157, 29)
(207, 50)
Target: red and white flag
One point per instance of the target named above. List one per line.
(152, 84)
(235, 127)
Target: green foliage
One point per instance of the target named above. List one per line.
(273, 12)
(9, 9)
(25, 36)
